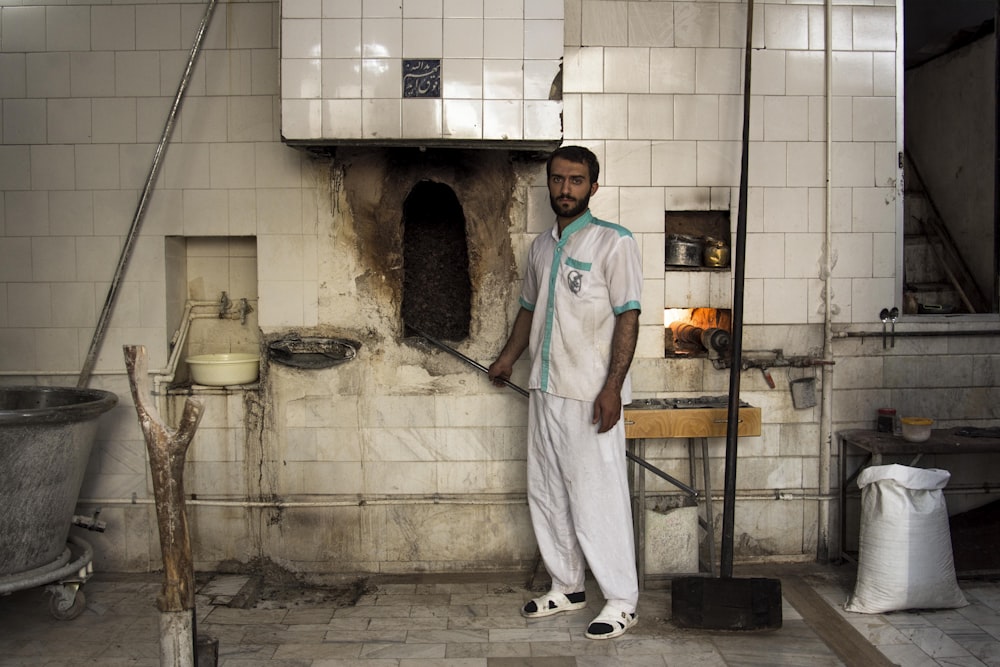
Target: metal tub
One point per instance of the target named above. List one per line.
(46, 434)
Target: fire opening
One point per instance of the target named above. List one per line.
(697, 332)
(437, 289)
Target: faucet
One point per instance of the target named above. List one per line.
(245, 309)
(223, 305)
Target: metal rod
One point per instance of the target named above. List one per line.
(126, 253)
(456, 353)
(653, 469)
(732, 432)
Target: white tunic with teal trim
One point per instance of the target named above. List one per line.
(576, 285)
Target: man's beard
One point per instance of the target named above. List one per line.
(576, 209)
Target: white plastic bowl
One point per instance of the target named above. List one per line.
(221, 370)
(916, 429)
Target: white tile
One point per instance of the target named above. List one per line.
(786, 209)
(27, 213)
(672, 70)
(650, 24)
(503, 80)
(539, 77)
(52, 168)
(696, 117)
(381, 38)
(505, 9)
(462, 79)
(685, 289)
(874, 118)
(868, 296)
(301, 78)
(572, 121)
(650, 116)
(627, 163)
(231, 165)
(463, 8)
(53, 259)
(252, 119)
(112, 27)
(423, 9)
(68, 121)
(278, 165)
(463, 119)
(641, 209)
(853, 164)
(502, 119)
(768, 72)
(29, 305)
(605, 23)
(719, 71)
(342, 8)
(71, 213)
(24, 121)
(380, 118)
(94, 254)
(605, 116)
(137, 74)
(303, 38)
(853, 255)
(696, 24)
(786, 301)
(15, 258)
(884, 76)
(874, 28)
(67, 28)
(301, 119)
(48, 74)
(503, 38)
(12, 75)
(22, 28)
(874, 210)
(768, 164)
(852, 74)
(572, 23)
(422, 118)
(543, 119)
(341, 78)
(626, 70)
(544, 9)
(765, 255)
(786, 26)
(381, 78)
(158, 27)
(463, 38)
(96, 166)
(673, 163)
(543, 39)
(281, 304)
(423, 38)
(301, 9)
(786, 118)
(206, 213)
(718, 163)
(341, 38)
(92, 74)
(806, 164)
(804, 73)
(382, 9)
(583, 70)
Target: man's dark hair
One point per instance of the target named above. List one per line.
(577, 154)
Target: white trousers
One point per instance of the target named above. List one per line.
(579, 501)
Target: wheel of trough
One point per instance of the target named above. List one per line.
(68, 613)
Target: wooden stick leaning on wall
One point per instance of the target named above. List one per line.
(167, 450)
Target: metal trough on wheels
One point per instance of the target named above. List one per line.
(46, 434)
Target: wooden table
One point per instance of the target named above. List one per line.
(696, 425)
(876, 445)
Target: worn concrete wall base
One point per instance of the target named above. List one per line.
(672, 541)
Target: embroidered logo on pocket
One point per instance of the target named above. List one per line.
(575, 281)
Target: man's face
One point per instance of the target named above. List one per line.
(569, 188)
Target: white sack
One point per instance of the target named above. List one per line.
(905, 559)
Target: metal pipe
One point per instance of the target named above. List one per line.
(732, 430)
(826, 387)
(919, 334)
(126, 253)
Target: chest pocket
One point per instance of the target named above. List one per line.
(576, 274)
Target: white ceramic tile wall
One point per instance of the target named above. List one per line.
(499, 63)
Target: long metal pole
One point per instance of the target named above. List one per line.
(140, 210)
(732, 427)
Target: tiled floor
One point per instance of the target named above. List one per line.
(463, 623)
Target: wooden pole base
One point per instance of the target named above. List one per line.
(726, 603)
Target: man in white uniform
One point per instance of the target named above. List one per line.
(580, 317)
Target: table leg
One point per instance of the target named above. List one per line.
(709, 511)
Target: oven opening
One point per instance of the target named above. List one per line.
(437, 289)
(697, 332)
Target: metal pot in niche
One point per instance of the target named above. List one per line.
(716, 253)
(684, 250)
